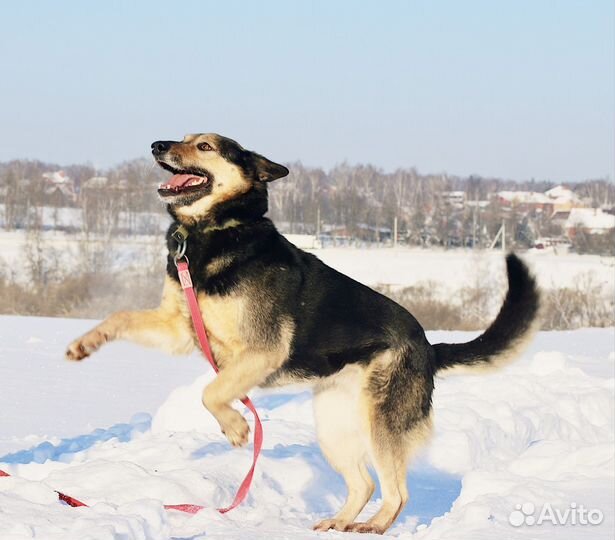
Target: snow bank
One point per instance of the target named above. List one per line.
(539, 432)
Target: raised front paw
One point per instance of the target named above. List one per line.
(236, 429)
(86, 345)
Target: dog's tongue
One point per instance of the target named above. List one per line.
(179, 180)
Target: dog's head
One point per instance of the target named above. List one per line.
(208, 170)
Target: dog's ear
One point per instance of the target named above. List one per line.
(267, 170)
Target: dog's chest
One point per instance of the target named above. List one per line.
(224, 317)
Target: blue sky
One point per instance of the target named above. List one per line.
(516, 89)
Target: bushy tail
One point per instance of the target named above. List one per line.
(508, 333)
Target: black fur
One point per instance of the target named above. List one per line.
(254, 166)
(515, 318)
(299, 319)
(337, 320)
(250, 207)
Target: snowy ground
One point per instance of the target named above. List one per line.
(456, 268)
(125, 432)
(395, 267)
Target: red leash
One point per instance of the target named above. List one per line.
(199, 327)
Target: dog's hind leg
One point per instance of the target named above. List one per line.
(396, 404)
(343, 443)
(389, 457)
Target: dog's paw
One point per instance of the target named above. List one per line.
(366, 527)
(332, 523)
(84, 346)
(236, 429)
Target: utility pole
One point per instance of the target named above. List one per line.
(503, 236)
(474, 225)
(395, 232)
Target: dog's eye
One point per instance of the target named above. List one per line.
(204, 146)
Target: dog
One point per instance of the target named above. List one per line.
(277, 315)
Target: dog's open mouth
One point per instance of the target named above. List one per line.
(183, 182)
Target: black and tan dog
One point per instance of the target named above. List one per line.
(277, 315)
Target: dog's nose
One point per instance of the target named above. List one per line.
(160, 147)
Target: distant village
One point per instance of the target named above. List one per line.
(560, 206)
(59, 189)
(559, 217)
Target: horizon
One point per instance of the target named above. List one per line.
(515, 91)
(327, 170)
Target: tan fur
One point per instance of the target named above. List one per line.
(349, 431)
(218, 264)
(245, 359)
(389, 452)
(222, 317)
(343, 436)
(250, 346)
(352, 436)
(167, 327)
(228, 182)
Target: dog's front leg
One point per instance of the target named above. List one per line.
(166, 327)
(151, 328)
(233, 382)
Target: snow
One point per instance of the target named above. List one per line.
(125, 432)
(54, 219)
(524, 197)
(396, 267)
(593, 219)
(562, 195)
(455, 269)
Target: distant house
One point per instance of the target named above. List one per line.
(564, 199)
(341, 234)
(525, 201)
(96, 182)
(560, 217)
(481, 205)
(561, 192)
(588, 221)
(59, 188)
(102, 182)
(336, 232)
(456, 199)
(556, 203)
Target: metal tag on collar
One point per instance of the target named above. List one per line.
(180, 234)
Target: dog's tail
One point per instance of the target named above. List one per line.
(509, 332)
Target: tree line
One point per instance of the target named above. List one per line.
(356, 202)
